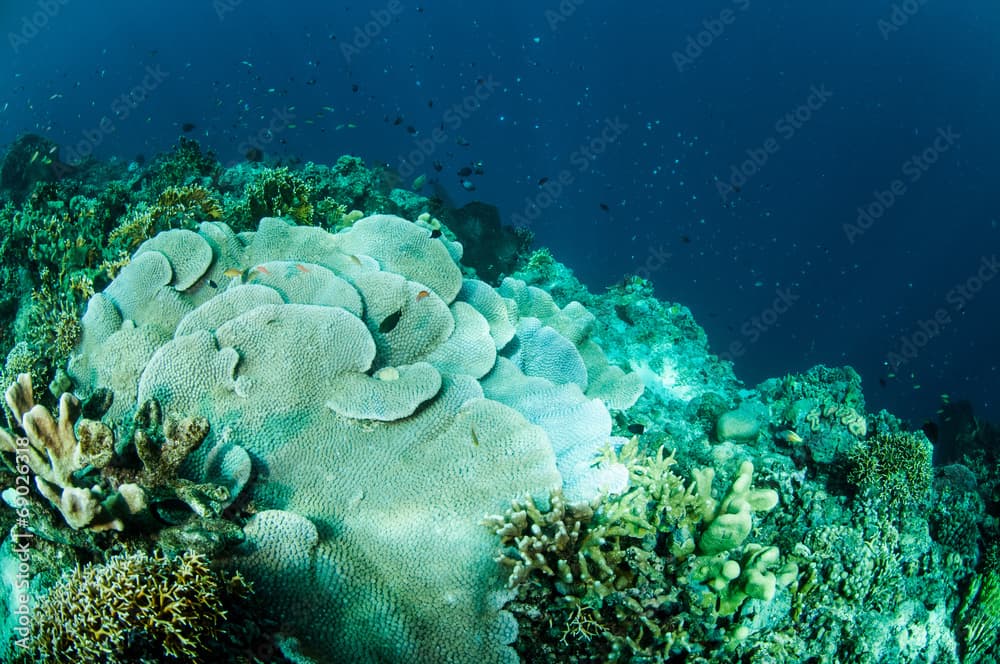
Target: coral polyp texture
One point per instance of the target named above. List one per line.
(388, 403)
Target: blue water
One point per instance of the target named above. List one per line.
(824, 106)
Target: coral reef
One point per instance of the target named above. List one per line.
(417, 425)
(336, 413)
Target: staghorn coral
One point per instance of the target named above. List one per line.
(136, 607)
(896, 467)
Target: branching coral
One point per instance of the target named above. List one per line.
(176, 207)
(135, 607)
(278, 193)
(54, 452)
(59, 455)
(895, 466)
(622, 578)
(980, 615)
(162, 444)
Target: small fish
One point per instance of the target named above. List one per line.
(637, 429)
(468, 185)
(604, 206)
(212, 284)
(301, 268)
(390, 322)
(233, 272)
(34, 157)
(789, 436)
(542, 181)
(422, 294)
(475, 438)
(187, 127)
(355, 259)
(55, 96)
(436, 233)
(419, 182)
(464, 172)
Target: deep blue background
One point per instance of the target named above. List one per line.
(558, 88)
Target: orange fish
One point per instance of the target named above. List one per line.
(422, 294)
(261, 269)
(301, 268)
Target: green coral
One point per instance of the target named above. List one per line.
(278, 193)
(980, 614)
(622, 579)
(895, 467)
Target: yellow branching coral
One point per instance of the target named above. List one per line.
(176, 207)
(279, 193)
(135, 607)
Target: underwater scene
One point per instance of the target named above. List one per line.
(543, 332)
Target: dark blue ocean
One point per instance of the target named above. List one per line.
(816, 181)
